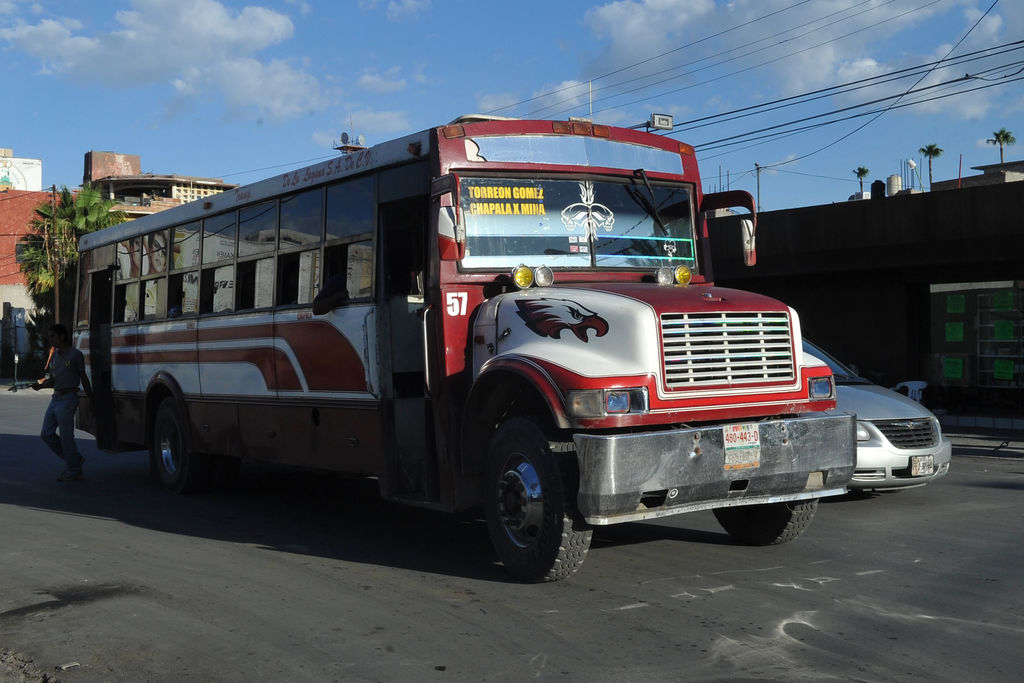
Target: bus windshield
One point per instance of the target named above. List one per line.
(579, 223)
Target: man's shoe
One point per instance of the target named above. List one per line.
(68, 475)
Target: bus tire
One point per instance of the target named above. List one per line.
(177, 469)
(767, 523)
(529, 505)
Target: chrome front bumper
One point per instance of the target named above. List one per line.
(626, 477)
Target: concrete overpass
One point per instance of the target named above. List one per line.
(872, 281)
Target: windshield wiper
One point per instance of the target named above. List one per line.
(651, 206)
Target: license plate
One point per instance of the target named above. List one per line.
(921, 465)
(742, 446)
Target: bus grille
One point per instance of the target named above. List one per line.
(909, 433)
(726, 348)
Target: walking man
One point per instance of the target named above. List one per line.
(67, 370)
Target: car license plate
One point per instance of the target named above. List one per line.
(921, 465)
(742, 446)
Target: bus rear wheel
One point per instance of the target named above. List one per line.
(177, 468)
(528, 501)
(767, 523)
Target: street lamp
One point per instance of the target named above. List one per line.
(913, 166)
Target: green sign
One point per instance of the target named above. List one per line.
(953, 368)
(1004, 330)
(954, 332)
(1002, 301)
(955, 303)
(1003, 369)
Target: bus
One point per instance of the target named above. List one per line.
(515, 318)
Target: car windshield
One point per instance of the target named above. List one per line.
(841, 373)
(577, 223)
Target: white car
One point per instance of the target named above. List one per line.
(899, 442)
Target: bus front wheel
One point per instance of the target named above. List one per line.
(528, 501)
(767, 523)
(177, 468)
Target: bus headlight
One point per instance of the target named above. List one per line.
(604, 402)
(820, 388)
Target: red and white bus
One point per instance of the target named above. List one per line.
(514, 316)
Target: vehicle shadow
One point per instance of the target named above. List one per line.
(285, 509)
(270, 506)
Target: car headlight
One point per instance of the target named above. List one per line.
(604, 402)
(863, 434)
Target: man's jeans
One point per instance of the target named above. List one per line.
(60, 417)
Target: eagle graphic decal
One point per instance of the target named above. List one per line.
(548, 317)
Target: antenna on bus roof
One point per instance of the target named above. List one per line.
(347, 146)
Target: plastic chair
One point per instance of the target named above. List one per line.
(915, 389)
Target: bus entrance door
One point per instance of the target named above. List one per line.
(412, 470)
(102, 405)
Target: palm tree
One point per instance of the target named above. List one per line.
(1002, 137)
(931, 151)
(51, 249)
(861, 174)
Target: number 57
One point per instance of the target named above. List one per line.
(456, 302)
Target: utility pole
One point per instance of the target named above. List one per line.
(757, 172)
(50, 248)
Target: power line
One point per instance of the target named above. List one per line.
(724, 61)
(651, 59)
(879, 111)
(769, 61)
(737, 138)
(897, 100)
(847, 87)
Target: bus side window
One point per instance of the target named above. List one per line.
(348, 275)
(402, 228)
(217, 289)
(255, 284)
(126, 302)
(297, 274)
(183, 295)
(154, 298)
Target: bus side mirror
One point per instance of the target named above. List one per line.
(748, 237)
(748, 226)
(451, 236)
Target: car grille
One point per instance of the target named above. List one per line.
(909, 433)
(726, 348)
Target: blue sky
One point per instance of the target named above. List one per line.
(241, 91)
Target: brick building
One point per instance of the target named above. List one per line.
(17, 209)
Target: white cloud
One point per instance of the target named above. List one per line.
(276, 90)
(780, 49)
(638, 29)
(367, 121)
(378, 83)
(200, 47)
(403, 9)
(303, 6)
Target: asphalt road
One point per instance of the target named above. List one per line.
(287, 575)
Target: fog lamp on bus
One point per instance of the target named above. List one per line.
(604, 402)
(669, 276)
(820, 388)
(523, 277)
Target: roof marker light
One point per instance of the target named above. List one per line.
(454, 131)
